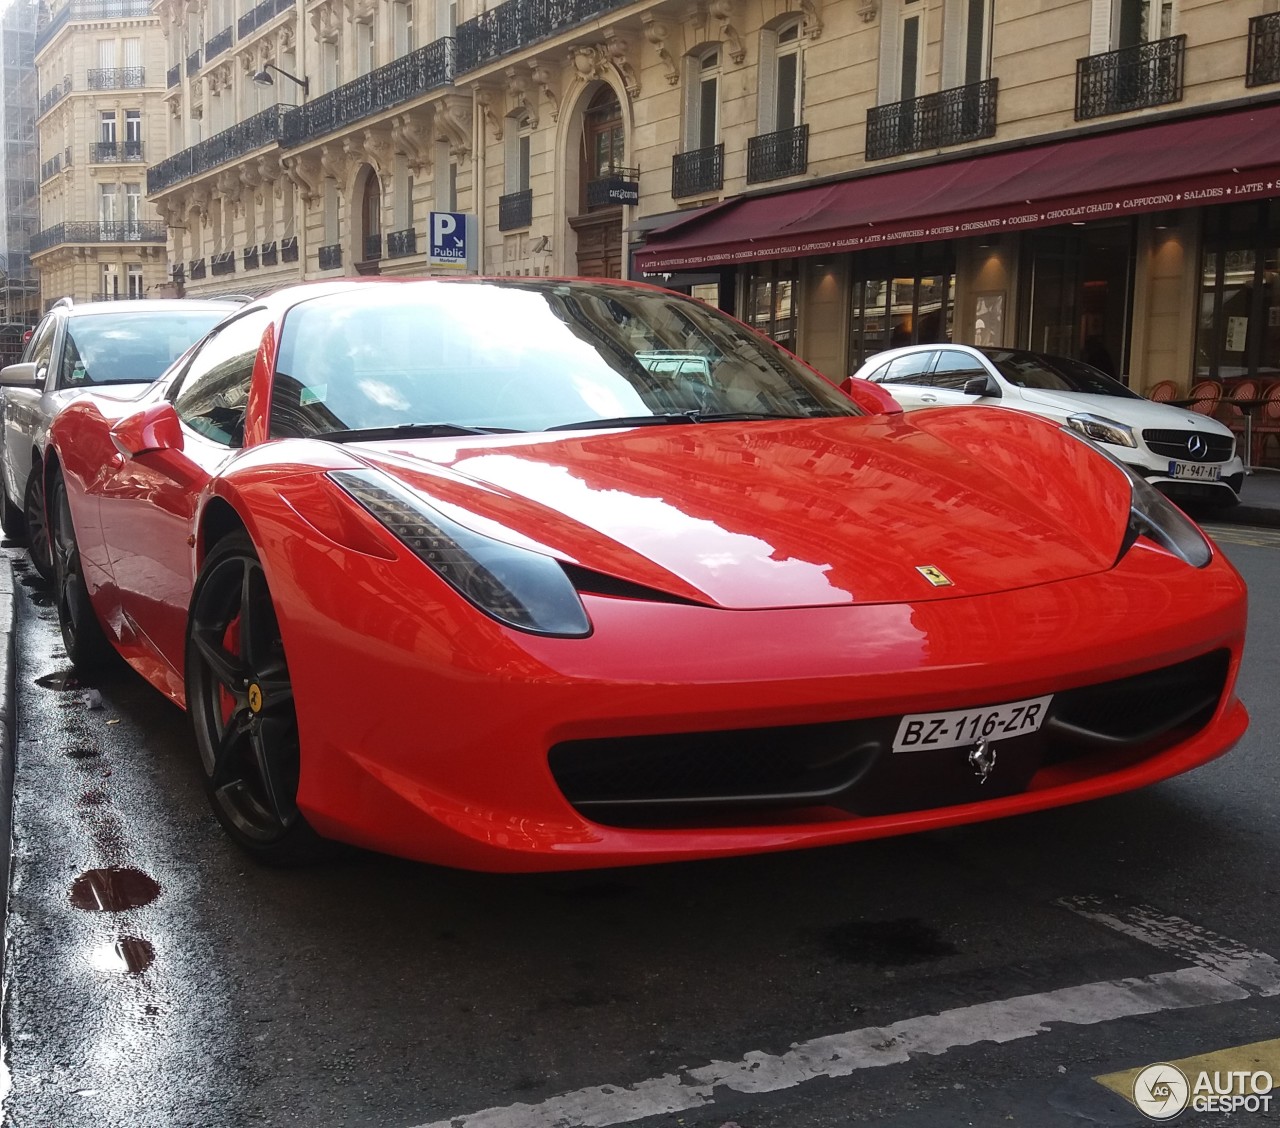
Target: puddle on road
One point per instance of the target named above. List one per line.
(61, 680)
(95, 798)
(129, 954)
(887, 943)
(83, 753)
(113, 889)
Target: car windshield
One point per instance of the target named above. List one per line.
(1054, 373)
(528, 356)
(121, 348)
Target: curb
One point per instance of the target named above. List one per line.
(8, 607)
(1250, 515)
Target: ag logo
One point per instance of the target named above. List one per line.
(1161, 1091)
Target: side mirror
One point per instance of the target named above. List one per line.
(155, 427)
(870, 397)
(982, 386)
(20, 376)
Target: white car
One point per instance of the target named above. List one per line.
(1188, 456)
(76, 347)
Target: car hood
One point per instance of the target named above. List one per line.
(794, 513)
(1138, 413)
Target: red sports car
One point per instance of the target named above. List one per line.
(524, 574)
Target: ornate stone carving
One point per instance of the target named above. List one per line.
(408, 137)
(453, 122)
(523, 101)
(657, 32)
(485, 99)
(589, 61)
(722, 10)
(370, 146)
(333, 163)
(305, 173)
(326, 22)
(812, 10)
(544, 80)
(868, 10)
(616, 49)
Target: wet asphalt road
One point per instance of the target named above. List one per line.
(156, 978)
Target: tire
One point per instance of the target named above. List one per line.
(240, 701)
(82, 635)
(11, 522)
(35, 517)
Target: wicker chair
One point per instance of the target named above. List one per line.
(1162, 391)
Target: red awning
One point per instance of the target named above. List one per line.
(1216, 159)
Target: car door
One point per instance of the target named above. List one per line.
(148, 506)
(907, 378)
(954, 371)
(22, 408)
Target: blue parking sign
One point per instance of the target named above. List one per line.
(447, 239)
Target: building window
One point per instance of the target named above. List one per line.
(106, 54)
(902, 296)
(133, 207)
(135, 280)
(107, 127)
(110, 281)
(910, 50)
(107, 209)
(330, 211)
(365, 60)
(330, 70)
(1141, 21)
(780, 78)
(772, 290)
(702, 108)
(371, 218)
(967, 48)
(518, 137)
(402, 28)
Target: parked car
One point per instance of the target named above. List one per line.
(444, 568)
(122, 346)
(1188, 456)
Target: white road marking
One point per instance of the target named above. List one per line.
(1252, 535)
(1222, 971)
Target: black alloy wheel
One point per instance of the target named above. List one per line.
(38, 544)
(240, 700)
(82, 635)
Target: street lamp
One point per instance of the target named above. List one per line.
(262, 78)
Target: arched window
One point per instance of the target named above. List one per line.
(603, 146)
(371, 217)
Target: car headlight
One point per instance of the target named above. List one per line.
(516, 586)
(1102, 430)
(1154, 516)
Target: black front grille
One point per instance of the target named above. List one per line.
(723, 777)
(1174, 444)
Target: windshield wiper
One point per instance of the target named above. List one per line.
(693, 416)
(409, 431)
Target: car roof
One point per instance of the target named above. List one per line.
(146, 305)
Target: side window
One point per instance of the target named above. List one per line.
(214, 391)
(40, 347)
(879, 374)
(910, 369)
(955, 369)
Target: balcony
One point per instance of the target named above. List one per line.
(224, 262)
(193, 63)
(515, 210)
(269, 254)
(103, 152)
(330, 257)
(1263, 65)
(219, 43)
(372, 247)
(149, 231)
(91, 10)
(289, 249)
(251, 258)
(263, 128)
(195, 270)
(401, 244)
(933, 121)
(518, 23)
(617, 186)
(52, 97)
(262, 14)
(771, 156)
(1133, 78)
(51, 168)
(399, 81)
(697, 171)
(117, 78)
(173, 76)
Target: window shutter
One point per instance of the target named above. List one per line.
(767, 95)
(1100, 27)
(890, 25)
(133, 52)
(107, 54)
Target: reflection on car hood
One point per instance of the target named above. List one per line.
(1134, 412)
(791, 514)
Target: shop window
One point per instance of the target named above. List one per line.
(901, 297)
(772, 292)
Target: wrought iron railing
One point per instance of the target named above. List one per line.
(263, 13)
(51, 167)
(117, 78)
(51, 98)
(173, 76)
(1132, 78)
(178, 273)
(195, 269)
(518, 23)
(263, 128)
(330, 256)
(932, 121)
(101, 152)
(1263, 64)
(269, 253)
(193, 62)
(617, 186)
(250, 258)
(515, 209)
(141, 231)
(372, 247)
(289, 249)
(90, 10)
(217, 44)
(402, 243)
(697, 171)
(771, 156)
(224, 262)
(399, 81)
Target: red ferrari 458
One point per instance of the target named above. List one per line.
(527, 574)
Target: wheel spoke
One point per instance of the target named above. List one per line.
(275, 754)
(233, 736)
(277, 692)
(226, 668)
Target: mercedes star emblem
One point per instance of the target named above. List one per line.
(1197, 447)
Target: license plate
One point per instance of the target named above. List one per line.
(1195, 471)
(920, 732)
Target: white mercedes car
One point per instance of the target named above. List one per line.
(1188, 456)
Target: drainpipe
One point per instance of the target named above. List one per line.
(477, 177)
